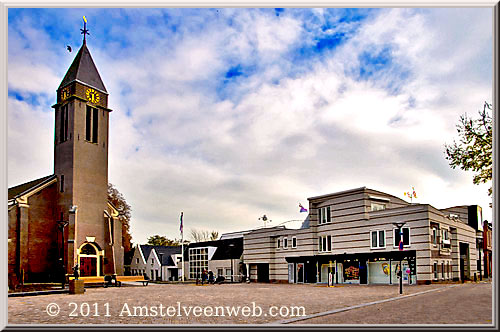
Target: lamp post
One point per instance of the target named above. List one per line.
(161, 267)
(231, 246)
(61, 224)
(399, 226)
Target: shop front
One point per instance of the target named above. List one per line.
(364, 268)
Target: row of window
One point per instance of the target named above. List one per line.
(91, 124)
(444, 270)
(445, 239)
(377, 239)
(285, 243)
(324, 213)
(138, 272)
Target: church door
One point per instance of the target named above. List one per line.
(88, 266)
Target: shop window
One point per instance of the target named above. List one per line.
(435, 270)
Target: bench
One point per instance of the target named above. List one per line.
(110, 280)
(145, 282)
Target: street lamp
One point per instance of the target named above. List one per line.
(399, 226)
(61, 224)
(231, 245)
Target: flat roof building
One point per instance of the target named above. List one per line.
(352, 236)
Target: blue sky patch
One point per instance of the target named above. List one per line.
(371, 63)
(234, 71)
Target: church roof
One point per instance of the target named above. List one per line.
(28, 186)
(83, 70)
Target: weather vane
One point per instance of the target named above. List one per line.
(84, 30)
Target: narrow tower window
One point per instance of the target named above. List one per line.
(62, 183)
(91, 124)
(94, 125)
(63, 128)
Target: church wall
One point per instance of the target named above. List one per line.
(12, 242)
(42, 259)
(118, 247)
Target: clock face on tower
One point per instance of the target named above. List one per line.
(64, 93)
(93, 96)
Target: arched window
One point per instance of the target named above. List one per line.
(88, 249)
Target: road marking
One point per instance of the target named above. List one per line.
(325, 313)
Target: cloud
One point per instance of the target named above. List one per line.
(297, 120)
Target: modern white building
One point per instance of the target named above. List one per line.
(354, 235)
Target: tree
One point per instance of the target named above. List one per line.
(203, 235)
(118, 200)
(474, 150)
(157, 240)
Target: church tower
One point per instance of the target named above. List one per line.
(81, 165)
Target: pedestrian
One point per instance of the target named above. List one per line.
(210, 277)
(203, 276)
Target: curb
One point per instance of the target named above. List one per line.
(48, 292)
(325, 313)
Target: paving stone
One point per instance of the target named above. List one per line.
(314, 299)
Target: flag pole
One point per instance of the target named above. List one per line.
(182, 247)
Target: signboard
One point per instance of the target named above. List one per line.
(413, 265)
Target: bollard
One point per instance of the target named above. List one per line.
(76, 286)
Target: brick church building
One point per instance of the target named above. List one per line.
(64, 219)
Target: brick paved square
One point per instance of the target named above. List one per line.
(81, 309)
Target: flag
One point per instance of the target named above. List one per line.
(84, 18)
(401, 245)
(302, 209)
(181, 228)
(414, 193)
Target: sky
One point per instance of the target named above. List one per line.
(228, 114)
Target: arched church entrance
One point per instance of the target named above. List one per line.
(89, 259)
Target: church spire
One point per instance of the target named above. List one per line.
(83, 68)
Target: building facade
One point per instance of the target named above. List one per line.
(353, 237)
(65, 220)
(222, 257)
(160, 263)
